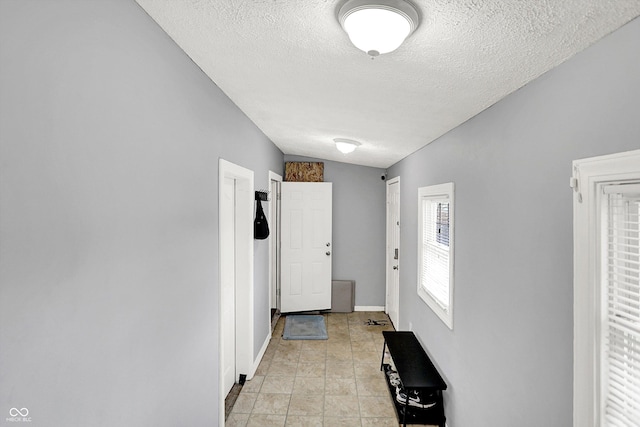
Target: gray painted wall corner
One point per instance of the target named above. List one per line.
(509, 360)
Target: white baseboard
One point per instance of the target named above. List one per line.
(256, 362)
(369, 308)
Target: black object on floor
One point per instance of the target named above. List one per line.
(421, 382)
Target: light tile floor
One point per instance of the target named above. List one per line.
(334, 382)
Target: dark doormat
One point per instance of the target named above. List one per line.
(305, 327)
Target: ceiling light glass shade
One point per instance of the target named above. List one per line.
(378, 26)
(346, 146)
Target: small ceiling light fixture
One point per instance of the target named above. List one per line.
(378, 26)
(346, 146)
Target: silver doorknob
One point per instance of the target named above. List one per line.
(328, 244)
(328, 253)
(395, 267)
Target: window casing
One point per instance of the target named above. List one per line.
(435, 249)
(606, 290)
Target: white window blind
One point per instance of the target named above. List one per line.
(620, 348)
(435, 251)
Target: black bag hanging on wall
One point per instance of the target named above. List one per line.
(260, 226)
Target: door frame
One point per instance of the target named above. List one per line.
(396, 321)
(243, 234)
(274, 246)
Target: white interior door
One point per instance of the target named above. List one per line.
(306, 246)
(228, 283)
(393, 250)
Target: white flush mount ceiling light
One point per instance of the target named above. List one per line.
(378, 26)
(346, 146)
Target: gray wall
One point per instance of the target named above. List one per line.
(508, 360)
(358, 227)
(109, 144)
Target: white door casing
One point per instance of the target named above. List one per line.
(228, 283)
(242, 265)
(393, 251)
(275, 181)
(306, 246)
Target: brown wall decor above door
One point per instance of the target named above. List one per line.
(304, 171)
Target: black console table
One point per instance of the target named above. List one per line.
(417, 373)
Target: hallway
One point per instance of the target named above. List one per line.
(334, 382)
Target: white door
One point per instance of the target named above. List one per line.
(393, 250)
(228, 283)
(306, 246)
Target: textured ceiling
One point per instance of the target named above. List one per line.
(292, 70)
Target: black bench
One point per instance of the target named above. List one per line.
(417, 373)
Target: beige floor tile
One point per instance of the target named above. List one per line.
(253, 385)
(339, 336)
(244, 403)
(342, 422)
(308, 385)
(282, 367)
(367, 370)
(289, 345)
(268, 354)
(277, 384)
(340, 370)
(263, 367)
(376, 407)
(271, 404)
(381, 422)
(360, 336)
(263, 420)
(306, 404)
(369, 357)
(335, 382)
(360, 346)
(340, 387)
(314, 345)
(341, 406)
(309, 356)
(372, 386)
(287, 356)
(236, 420)
(314, 369)
(338, 356)
(301, 421)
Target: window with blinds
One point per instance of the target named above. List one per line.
(620, 308)
(435, 250)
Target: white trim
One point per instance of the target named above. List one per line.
(244, 311)
(256, 363)
(432, 192)
(368, 308)
(273, 240)
(588, 176)
(396, 322)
